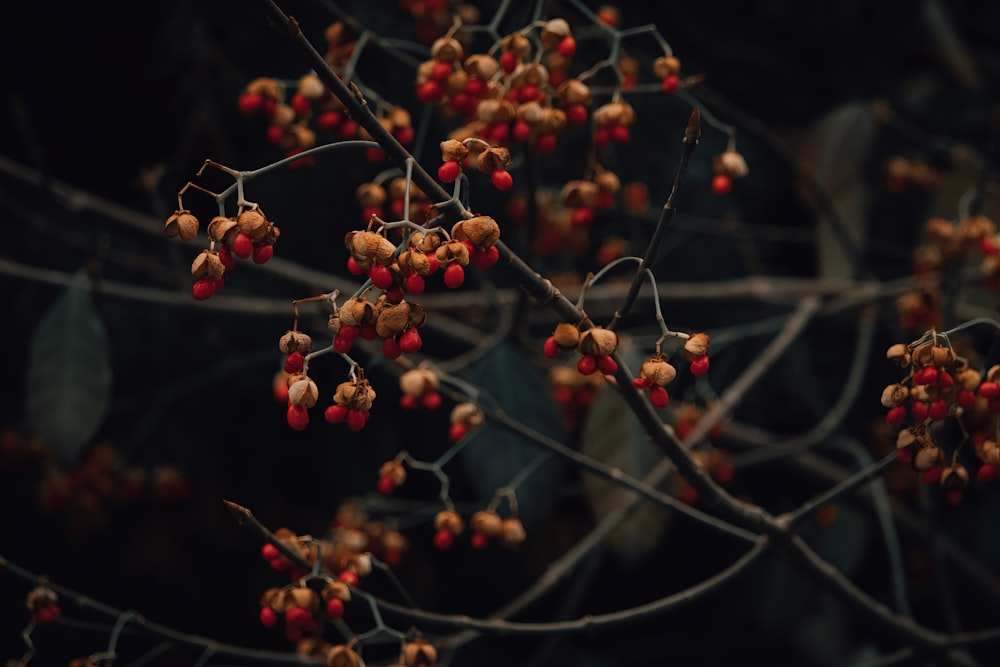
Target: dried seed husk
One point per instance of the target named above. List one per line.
(530, 112)
(419, 653)
(305, 598)
(968, 379)
(955, 477)
(271, 235)
(392, 319)
(371, 246)
(414, 261)
(182, 224)
(418, 317)
(466, 413)
(659, 371)
(573, 91)
(283, 116)
(517, 43)
(357, 312)
(533, 74)
(304, 392)
(942, 356)
(264, 86)
(486, 523)
(553, 32)
(393, 541)
(338, 590)
(696, 346)
(447, 49)
(449, 520)
(939, 229)
(208, 265)
(481, 231)
(481, 65)
(552, 120)
(371, 194)
(394, 470)
(512, 531)
(927, 458)
(577, 193)
(598, 341)
(295, 341)
(426, 243)
(731, 164)
(361, 564)
(311, 87)
(333, 322)
(222, 229)
(493, 158)
(894, 394)
(899, 353)
(989, 452)
(905, 438)
(457, 81)
(567, 335)
(609, 181)
(975, 228)
(665, 66)
(453, 251)
(253, 223)
(341, 656)
(418, 381)
(304, 137)
(272, 598)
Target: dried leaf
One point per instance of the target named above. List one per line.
(613, 435)
(497, 455)
(69, 373)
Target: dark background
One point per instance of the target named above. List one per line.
(126, 102)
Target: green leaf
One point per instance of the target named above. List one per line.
(69, 373)
(612, 434)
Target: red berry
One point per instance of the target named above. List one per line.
(945, 381)
(581, 216)
(242, 246)
(987, 473)
(478, 541)
(443, 540)
(454, 276)
(429, 92)
(250, 103)
(449, 171)
(699, 365)
(353, 267)
(522, 131)
(954, 497)
(528, 93)
(390, 349)
(301, 104)
(619, 133)
(938, 409)
(896, 415)
(919, 410)
(484, 259)
(989, 246)
(932, 476)
(602, 136)
(328, 121)
(227, 259)
(567, 47)
(341, 345)
(724, 474)
(262, 253)
(381, 276)
(297, 617)
(965, 399)
(457, 431)
(356, 420)
(293, 635)
(658, 396)
(551, 348)
(404, 135)
(298, 417)
(294, 362)
(414, 284)
(508, 61)
(905, 454)
(641, 383)
(607, 365)
(431, 400)
(721, 184)
(386, 485)
(989, 390)
(268, 617)
(926, 375)
(432, 265)
(369, 331)
(502, 179)
(408, 402)
(349, 332)
(269, 552)
(476, 86)
(395, 294)
(203, 288)
(334, 607)
(576, 114)
(46, 614)
(441, 71)
(670, 83)
(374, 155)
(336, 413)
(587, 364)
(410, 341)
(349, 577)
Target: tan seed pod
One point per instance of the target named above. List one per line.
(342, 656)
(371, 194)
(993, 374)
(696, 346)
(457, 81)
(493, 158)
(731, 164)
(305, 598)
(955, 477)
(394, 470)
(425, 70)
(572, 92)
(304, 392)
(333, 322)
(939, 229)
(567, 335)
(414, 261)
(447, 49)
(295, 341)
(989, 452)
(552, 120)
(426, 243)
(222, 229)
(553, 32)
(304, 137)
(182, 224)
(968, 379)
(393, 541)
(466, 413)
(449, 520)
(283, 116)
(311, 87)
(399, 117)
(208, 265)
(357, 312)
(975, 228)
(598, 341)
(530, 112)
(577, 193)
(361, 564)
(481, 65)
(481, 231)
(264, 86)
(609, 181)
(372, 246)
(512, 531)
(272, 598)
(894, 394)
(252, 223)
(517, 43)
(418, 381)
(453, 251)
(486, 523)
(419, 653)
(393, 319)
(927, 458)
(942, 356)
(665, 66)
(905, 438)
(418, 316)
(899, 353)
(271, 235)
(658, 371)
(533, 74)
(923, 392)
(338, 590)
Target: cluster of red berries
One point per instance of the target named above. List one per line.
(485, 525)
(584, 197)
(716, 463)
(420, 388)
(940, 386)
(491, 160)
(42, 604)
(248, 235)
(727, 166)
(595, 345)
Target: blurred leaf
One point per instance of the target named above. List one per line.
(69, 373)
(612, 434)
(496, 456)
